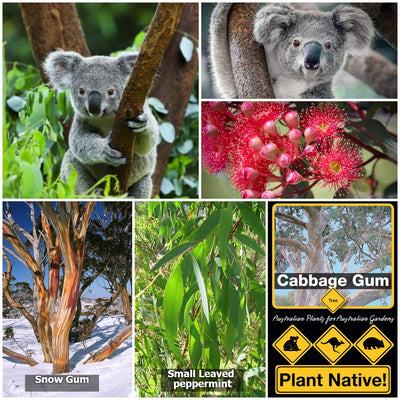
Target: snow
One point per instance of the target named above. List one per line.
(115, 373)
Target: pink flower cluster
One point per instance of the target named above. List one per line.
(267, 149)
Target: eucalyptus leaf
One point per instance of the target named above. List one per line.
(167, 131)
(202, 288)
(186, 47)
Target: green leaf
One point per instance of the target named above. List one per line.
(374, 133)
(166, 186)
(139, 38)
(195, 346)
(214, 359)
(186, 314)
(16, 103)
(31, 181)
(186, 47)
(173, 297)
(229, 341)
(157, 105)
(207, 226)
(174, 253)
(225, 222)
(234, 304)
(253, 221)
(249, 242)
(167, 131)
(253, 372)
(202, 288)
(185, 147)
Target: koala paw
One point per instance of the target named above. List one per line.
(139, 123)
(113, 157)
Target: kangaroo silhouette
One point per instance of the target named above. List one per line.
(334, 342)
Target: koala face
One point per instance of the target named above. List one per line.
(312, 48)
(96, 83)
(311, 45)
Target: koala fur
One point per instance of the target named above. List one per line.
(96, 85)
(304, 49)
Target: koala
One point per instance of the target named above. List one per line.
(304, 49)
(95, 87)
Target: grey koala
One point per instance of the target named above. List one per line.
(96, 85)
(304, 49)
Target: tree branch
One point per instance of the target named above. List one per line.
(20, 357)
(290, 219)
(159, 35)
(292, 243)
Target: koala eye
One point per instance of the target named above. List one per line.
(328, 45)
(296, 42)
(81, 91)
(110, 92)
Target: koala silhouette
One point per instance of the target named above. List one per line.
(291, 344)
(304, 49)
(95, 87)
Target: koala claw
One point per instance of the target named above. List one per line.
(139, 123)
(114, 157)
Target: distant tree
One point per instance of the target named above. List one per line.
(311, 239)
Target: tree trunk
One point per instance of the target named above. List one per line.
(111, 346)
(247, 56)
(20, 357)
(52, 26)
(174, 85)
(161, 29)
(126, 300)
(69, 217)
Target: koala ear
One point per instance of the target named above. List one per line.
(60, 67)
(357, 26)
(271, 23)
(126, 61)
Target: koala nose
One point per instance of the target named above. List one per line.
(312, 54)
(94, 102)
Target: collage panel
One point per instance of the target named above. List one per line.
(299, 50)
(86, 115)
(322, 150)
(332, 320)
(67, 299)
(200, 299)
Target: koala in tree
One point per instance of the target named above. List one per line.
(96, 85)
(304, 49)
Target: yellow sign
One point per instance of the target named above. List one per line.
(333, 300)
(373, 344)
(332, 379)
(333, 344)
(292, 344)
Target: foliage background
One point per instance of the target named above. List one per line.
(200, 291)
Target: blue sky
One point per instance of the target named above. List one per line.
(21, 214)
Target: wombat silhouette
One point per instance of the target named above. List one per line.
(373, 343)
(334, 342)
(291, 344)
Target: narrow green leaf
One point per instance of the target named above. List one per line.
(186, 314)
(249, 242)
(202, 288)
(174, 253)
(207, 226)
(214, 358)
(229, 341)
(173, 297)
(225, 222)
(195, 346)
(253, 221)
(234, 304)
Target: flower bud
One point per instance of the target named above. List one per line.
(250, 194)
(293, 178)
(270, 128)
(249, 173)
(210, 131)
(295, 136)
(269, 152)
(268, 194)
(291, 119)
(310, 151)
(217, 105)
(255, 143)
(309, 134)
(247, 108)
(284, 160)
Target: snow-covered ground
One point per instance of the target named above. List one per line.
(115, 373)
